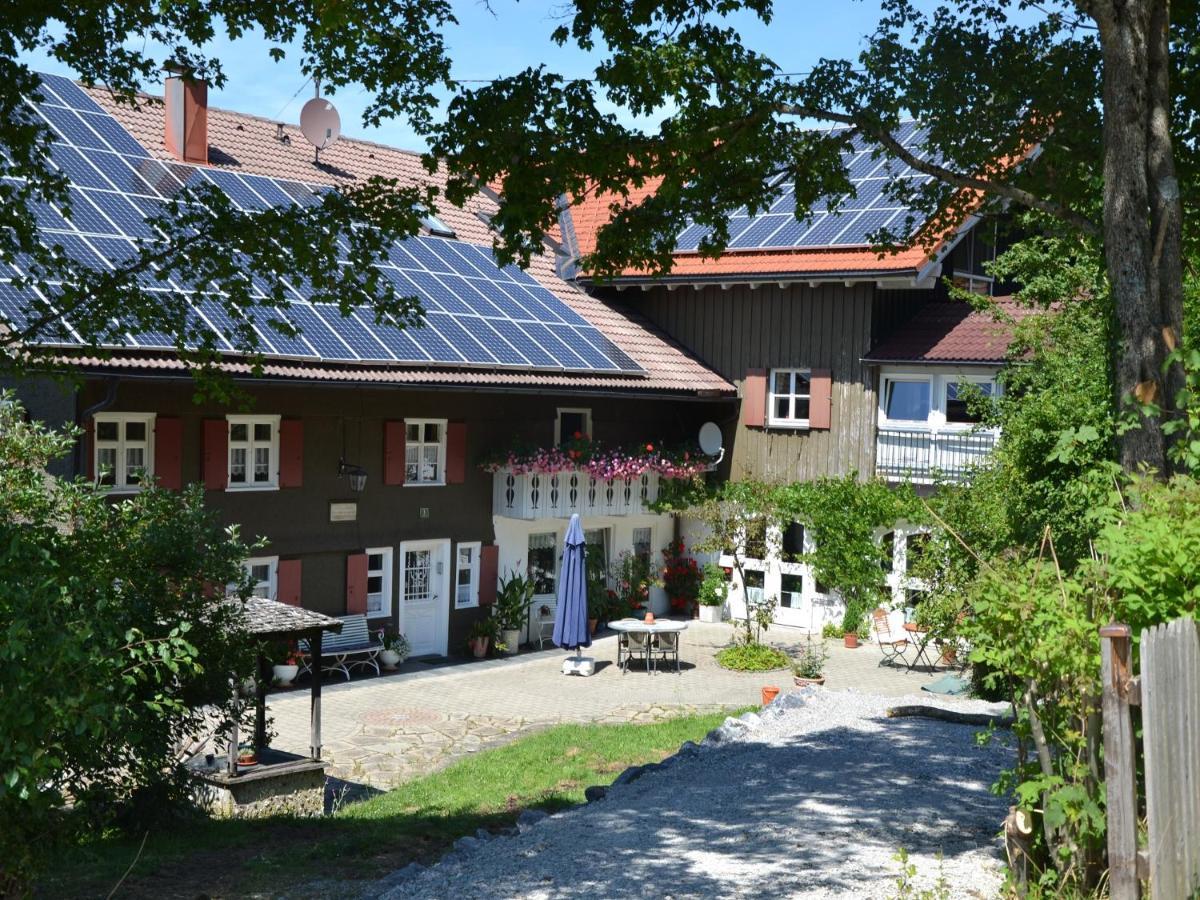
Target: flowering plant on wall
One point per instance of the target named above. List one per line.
(582, 453)
(680, 577)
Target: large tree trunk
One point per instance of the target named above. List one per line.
(1141, 216)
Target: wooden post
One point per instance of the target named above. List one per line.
(314, 724)
(1120, 762)
(233, 730)
(260, 707)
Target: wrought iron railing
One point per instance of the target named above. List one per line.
(557, 495)
(922, 454)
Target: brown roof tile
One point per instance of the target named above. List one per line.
(951, 331)
(242, 142)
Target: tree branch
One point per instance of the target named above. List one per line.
(967, 182)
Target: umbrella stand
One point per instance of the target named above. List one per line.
(579, 664)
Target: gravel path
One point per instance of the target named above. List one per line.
(812, 799)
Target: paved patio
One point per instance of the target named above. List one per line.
(381, 731)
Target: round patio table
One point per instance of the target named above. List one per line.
(640, 626)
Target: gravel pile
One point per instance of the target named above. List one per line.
(812, 798)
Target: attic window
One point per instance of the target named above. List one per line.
(436, 226)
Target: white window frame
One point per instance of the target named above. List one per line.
(901, 377)
(956, 378)
(939, 385)
(250, 446)
(120, 483)
(387, 574)
(476, 547)
(441, 463)
(272, 582)
(557, 543)
(774, 421)
(587, 418)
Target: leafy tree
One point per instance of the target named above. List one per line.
(112, 647)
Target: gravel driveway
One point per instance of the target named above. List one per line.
(813, 799)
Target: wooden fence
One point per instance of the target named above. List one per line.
(1168, 691)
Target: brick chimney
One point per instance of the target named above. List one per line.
(186, 103)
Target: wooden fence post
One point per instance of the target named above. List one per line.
(1120, 762)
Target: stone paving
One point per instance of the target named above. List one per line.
(381, 731)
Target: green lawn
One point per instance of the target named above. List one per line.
(417, 821)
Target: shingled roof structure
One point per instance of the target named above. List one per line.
(951, 332)
(253, 145)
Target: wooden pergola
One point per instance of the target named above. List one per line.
(272, 620)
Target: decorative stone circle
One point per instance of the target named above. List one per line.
(399, 717)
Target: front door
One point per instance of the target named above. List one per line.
(424, 595)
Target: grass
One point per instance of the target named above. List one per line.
(415, 822)
(752, 658)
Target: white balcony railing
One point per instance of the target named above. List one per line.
(540, 495)
(917, 454)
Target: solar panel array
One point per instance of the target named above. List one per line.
(858, 217)
(477, 312)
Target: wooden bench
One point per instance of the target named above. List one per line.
(355, 646)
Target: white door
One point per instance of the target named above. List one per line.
(425, 595)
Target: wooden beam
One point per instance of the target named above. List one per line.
(314, 722)
(1120, 763)
(260, 707)
(231, 763)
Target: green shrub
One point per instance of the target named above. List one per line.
(752, 658)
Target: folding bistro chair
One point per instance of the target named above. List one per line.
(894, 646)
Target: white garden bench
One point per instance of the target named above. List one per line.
(354, 646)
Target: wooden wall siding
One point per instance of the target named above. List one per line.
(891, 309)
(739, 329)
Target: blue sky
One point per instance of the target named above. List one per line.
(485, 46)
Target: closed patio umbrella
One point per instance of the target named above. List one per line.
(571, 618)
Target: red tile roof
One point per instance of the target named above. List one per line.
(951, 331)
(242, 142)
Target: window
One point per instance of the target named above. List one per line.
(792, 543)
(973, 282)
(643, 545)
(791, 591)
(906, 399)
(122, 449)
(466, 576)
(755, 541)
(379, 581)
(543, 561)
(253, 452)
(424, 451)
(596, 540)
(887, 551)
(262, 569)
(571, 422)
(962, 399)
(787, 401)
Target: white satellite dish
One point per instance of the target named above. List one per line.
(320, 123)
(710, 438)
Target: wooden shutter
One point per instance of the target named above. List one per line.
(89, 448)
(393, 452)
(754, 398)
(291, 453)
(356, 584)
(820, 400)
(489, 569)
(456, 452)
(216, 454)
(287, 581)
(168, 452)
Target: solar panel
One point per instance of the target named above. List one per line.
(477, 312)
(856, 218)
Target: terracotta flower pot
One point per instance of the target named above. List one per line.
(649, 618)
(479, 646)
(801, 681)
(769, 693)
(592, 623)
(949, 656)
(850, 641)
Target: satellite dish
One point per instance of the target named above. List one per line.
(710, 438)
(320, 123)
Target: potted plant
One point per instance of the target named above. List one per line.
(681, 578)
(513, 599)
(712, 593)
(396, 648)
(632, 580)
(246, 755)
(807, 668)
(599, 597)
(285, 672)
(853, 625)
(482, 635)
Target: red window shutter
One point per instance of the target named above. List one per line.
(287, 581)
(291, 453)
(754, 398)
(356, 584)
(456, 452)
(216, 454)
(820, 400)
(168, 452)
(89, 448)
(393, 453)
(489, 569)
